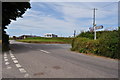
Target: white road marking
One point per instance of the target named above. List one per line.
(8, 67)
(44, 51)
(11, 55)
(15, 61)
(14, 58)
(26, 75)
(10, 52)
(22, 70)
(6, 59)
(5, 55)
(7, 63)
(18, 65)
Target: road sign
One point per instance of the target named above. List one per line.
(98, 27)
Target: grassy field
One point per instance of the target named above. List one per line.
(60, 40)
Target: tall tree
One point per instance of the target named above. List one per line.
(11, 11)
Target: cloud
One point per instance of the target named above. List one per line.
(62, 18)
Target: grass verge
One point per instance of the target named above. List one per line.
(59, 40)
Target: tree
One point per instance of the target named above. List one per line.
(11, 11)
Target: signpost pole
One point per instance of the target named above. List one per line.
(94, 25)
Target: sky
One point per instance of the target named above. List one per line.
(62, 18)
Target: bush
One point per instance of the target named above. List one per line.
(85, 45)
(107, 44)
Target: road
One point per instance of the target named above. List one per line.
(30, 60)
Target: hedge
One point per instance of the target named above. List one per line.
(106, 45)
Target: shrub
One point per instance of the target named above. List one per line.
(85, 45)
(107, 44)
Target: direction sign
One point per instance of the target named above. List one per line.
(98, 27)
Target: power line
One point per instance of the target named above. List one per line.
(108, 4)
(72, 6)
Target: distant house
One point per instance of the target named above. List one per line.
(26, 36)
(50, 35)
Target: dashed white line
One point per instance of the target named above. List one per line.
(11, 55)
(7, 63)
(18, 65)
(22, 70)
(14, 58)
(44, 51)
(15, 61)
(6, 59)
(8, 67)
(5, 55)
(26, 75)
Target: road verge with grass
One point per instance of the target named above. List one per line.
(57, 40)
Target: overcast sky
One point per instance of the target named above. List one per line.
(62, 18)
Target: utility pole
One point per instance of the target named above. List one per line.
(94, 24)
(74, 33)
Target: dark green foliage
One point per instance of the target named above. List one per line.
(85, 45)
(90, 35)
(11, 11)
(106, 45)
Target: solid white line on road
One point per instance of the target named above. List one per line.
(44, 51)
(18, 65)
(22, 70)
(7, 63)
(15, 61)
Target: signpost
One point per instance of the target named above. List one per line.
(98, 27)
(94, 29)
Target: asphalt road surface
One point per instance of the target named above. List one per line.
(30, 60)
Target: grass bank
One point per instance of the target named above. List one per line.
(60, 40)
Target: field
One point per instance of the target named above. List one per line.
(60, 40)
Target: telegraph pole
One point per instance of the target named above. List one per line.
(94, 25)
(74, 33)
